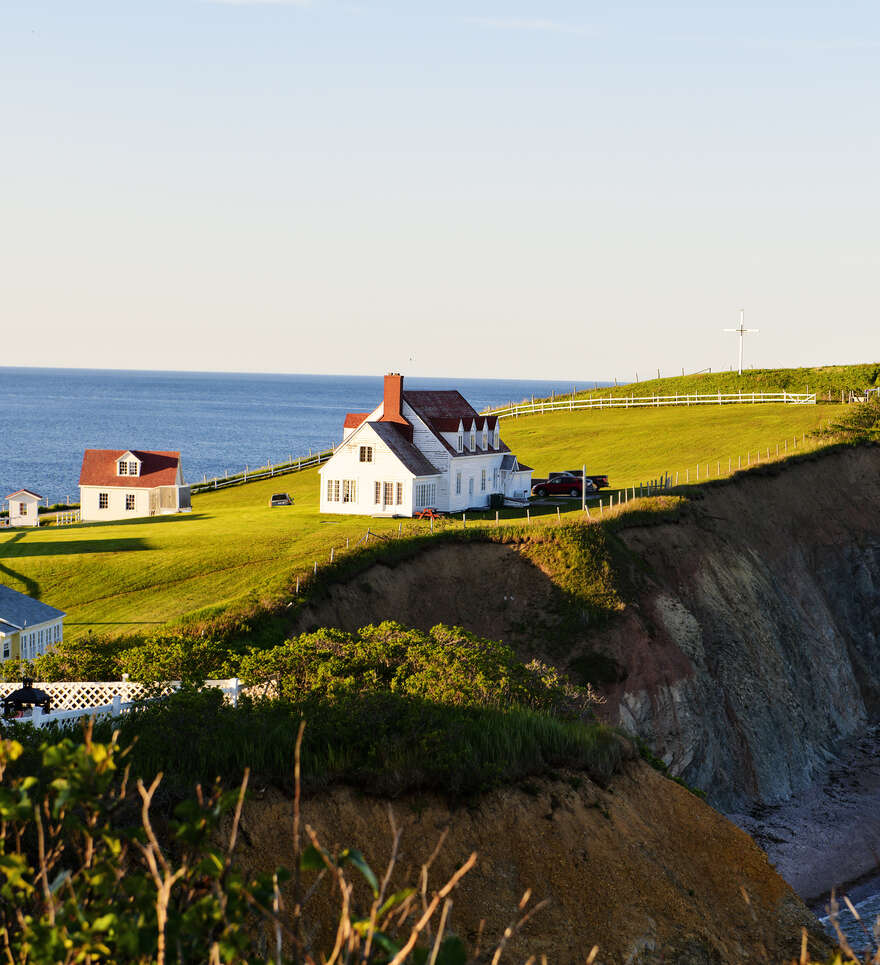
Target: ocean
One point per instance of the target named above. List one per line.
(218, 421)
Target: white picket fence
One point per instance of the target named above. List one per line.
(541, 407)
(110, 698)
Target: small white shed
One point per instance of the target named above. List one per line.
(23, 508)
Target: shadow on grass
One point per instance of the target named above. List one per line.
(73, 547)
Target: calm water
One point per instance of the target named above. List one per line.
(218, 422)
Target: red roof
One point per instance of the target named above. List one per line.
(24, 492)
(354, 419)
(157, 468)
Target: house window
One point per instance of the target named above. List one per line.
(103, 500)
(6, 648)
(129, 500)
(133, 469)
(470, 486)
(497, 441)
(332, 490)
(122, 469)
(400, 494)
(22, 509)
(378, 493)
(458, 484)
(57, 632)
(426, 494)
(485, 438)
(473, 440)
(349, 490)
(366, 454)
(460, 445)
(483, 481)
(388, 494)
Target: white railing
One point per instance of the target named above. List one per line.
(110, 698)
(262, 472)
(648, 401)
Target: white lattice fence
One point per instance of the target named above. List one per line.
(74, 699)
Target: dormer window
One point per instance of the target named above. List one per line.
(485, 437)
(122, 469)
(497, 441)
(126, 467)
(460, 443)
(473, 444)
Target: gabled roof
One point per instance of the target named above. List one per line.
(157, 468)
(512, 464)
(19, 610)
(354, 419)
(411, 457)
(24, 492)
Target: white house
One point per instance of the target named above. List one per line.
(23, 508)
(127, 483)
(28, 628)
(418, 450)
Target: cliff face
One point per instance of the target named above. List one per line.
(749, 643)
(641, 868)
(752, 643)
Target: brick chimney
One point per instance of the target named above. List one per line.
(392, 400)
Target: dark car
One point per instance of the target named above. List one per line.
(562, 484)
(600, 482)
(280, 499)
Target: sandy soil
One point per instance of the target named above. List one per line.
(829, 836)
(641, 867)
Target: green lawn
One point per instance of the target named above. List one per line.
(134, 575)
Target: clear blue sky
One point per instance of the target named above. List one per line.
(544, 189)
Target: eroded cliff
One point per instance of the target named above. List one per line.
(748, 643)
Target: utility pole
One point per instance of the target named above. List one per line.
(741, 331)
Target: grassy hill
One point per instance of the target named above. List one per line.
(827, 382)
(235, 551)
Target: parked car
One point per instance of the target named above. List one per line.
(600, 482)
(562, 484)
(281, 499)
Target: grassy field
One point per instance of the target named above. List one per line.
(827, 381)
(139, 574)
(634, 445)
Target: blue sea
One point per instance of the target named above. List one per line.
(219, 422)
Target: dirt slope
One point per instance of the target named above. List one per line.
(642, 868)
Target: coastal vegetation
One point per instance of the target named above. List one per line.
(389, 709)
(120, 892)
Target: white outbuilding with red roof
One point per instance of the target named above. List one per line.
(419, 450)
(23, 508)
(128, 483)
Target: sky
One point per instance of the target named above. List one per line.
(489, 189)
